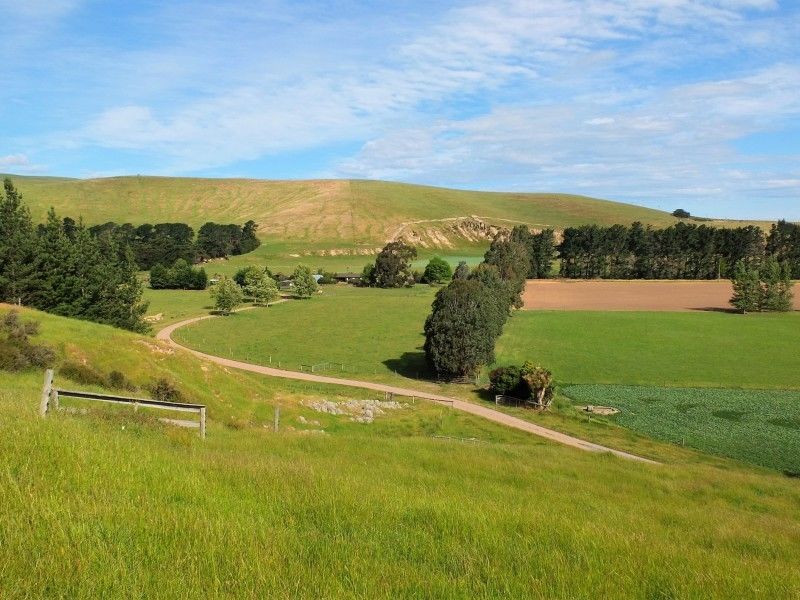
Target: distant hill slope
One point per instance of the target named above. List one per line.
(350, 213)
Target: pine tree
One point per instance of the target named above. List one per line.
(17, 239)
(747, 293)
(776, 285)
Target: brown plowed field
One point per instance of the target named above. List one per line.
(572, 294)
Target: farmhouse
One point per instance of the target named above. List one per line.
(353, 278)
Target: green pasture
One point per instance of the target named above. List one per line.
(378, 333)
(373, 332)
(423, 502)
(756, 426)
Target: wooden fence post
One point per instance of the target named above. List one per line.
(203, 423)
(46, 389)
(277, 422)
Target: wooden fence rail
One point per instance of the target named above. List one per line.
(52, 396)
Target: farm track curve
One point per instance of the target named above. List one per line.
(468, 407)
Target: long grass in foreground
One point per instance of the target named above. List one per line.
(95, 506)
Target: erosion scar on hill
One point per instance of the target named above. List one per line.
(568, 294)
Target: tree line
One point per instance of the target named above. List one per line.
(60, 267)
(165, 243)
(680, 251)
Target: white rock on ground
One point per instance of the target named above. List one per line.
(359, 411)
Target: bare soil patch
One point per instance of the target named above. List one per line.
(571, 294)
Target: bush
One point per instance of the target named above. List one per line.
(16, 350)
(165, 390)
(507, 381)
(118, 381)
(528, 382)
(82, 374)
(328, 278)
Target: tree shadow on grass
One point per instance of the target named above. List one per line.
(412, 365)
(719, 309)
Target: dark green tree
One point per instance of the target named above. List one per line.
(393, 266)
(17, 240)
(460, 333)
(462, 270)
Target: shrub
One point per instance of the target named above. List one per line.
(165, 390)
(328, 278)
(526, 382)
(508, 381)
(118, 381)
(82, 373)
(16, 350)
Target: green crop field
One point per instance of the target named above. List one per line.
(691, 349)
(110, 503)
(758, 426)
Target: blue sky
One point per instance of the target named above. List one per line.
(667, 103)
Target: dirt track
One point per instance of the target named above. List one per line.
(468, 407)
(578, 294)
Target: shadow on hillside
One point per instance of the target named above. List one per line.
(717, 309)
(412, 365)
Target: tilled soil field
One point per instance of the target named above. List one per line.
(576, 294)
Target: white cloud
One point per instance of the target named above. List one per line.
(14, 160)
(19, 163)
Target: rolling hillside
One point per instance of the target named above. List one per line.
(334, 212)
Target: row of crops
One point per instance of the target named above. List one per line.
(756, 426)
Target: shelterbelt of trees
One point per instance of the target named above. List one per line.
(164, 243)
(681, 251)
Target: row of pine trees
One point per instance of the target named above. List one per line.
(681, 251)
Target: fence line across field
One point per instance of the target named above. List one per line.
(52, 395)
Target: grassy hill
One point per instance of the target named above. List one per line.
(339, 213)
(110, 503)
